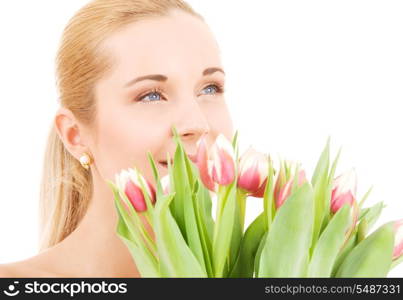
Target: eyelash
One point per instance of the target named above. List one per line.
(219, 88)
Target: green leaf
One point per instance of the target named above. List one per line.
(132, 233)
(176, 258)
(296, 177)
(322, 193)
(329, 244)
(192, 231)
(373, 213)
(204, 224)
(322, 165)
(228, 231)
(183, 178)
(372, 257)
(365, 196)
(204, 209)
(258, 255)
(287, 246)
(132, 221)
(145, 263)
(155, 173)
(362, 230)
(368, 218)
(182, 190)
(326, 209)
(236, 237)
(334, 166)
(203, 199)
(244, 265)
(191, 170)
(346, 249)
(224, 226)
(268, 196)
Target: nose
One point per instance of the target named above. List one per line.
(191, 126)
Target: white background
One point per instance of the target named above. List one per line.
(297, 72)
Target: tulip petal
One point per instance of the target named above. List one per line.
(253, 168)
(223, 169)
(338, 202)
(260, 191)
(203, 163)
(135, 196)
(284, 193)
(398, 248)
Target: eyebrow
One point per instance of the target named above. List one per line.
(160, 77)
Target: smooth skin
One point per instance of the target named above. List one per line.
(132, 120)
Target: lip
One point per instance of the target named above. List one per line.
(164, 163)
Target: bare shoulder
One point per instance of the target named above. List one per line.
(7, 270)
(24, 268)
(4, 272)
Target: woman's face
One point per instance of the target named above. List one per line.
(181, 59)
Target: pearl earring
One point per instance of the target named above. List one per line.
(85, 160)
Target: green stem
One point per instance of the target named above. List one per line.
(146, 235)
(241, 197)
(222, 195)
(219, 209)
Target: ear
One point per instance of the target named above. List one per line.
(70, 131)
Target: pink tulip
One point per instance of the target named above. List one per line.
(284, 192)
(260, 192)
(398, 248)
(202, 160)
(344, 190)
(217, 164)
(128, 182)
(253, 169)
(223, 161)
(280, 182)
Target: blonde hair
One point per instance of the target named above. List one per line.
(66, 187)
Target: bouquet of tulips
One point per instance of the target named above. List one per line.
(313, 228)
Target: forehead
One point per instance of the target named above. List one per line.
(176, 43)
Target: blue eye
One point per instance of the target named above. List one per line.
(217, 88)
(155, 94)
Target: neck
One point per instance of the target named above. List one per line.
(94, 249)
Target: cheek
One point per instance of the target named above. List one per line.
(219, 119)
(123, 142)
